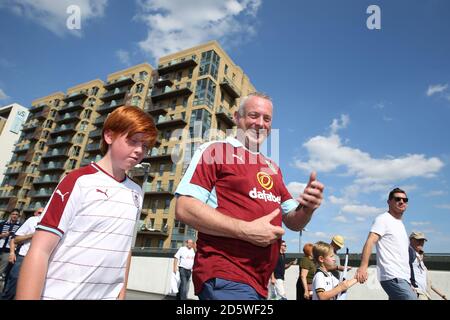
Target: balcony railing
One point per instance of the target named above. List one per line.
(60, 141)
(120, 82)
(163, 81)
(156, 109)
(64, 128)
(52, 166)
(229, 86)
(109, 106)
(115, 94)
(95, 134)
(41, 193)
(30, 126)
(225, 116)
(23, 148)
(76, 96)
(156, 189)
(160, 154)
(47, 179)
(68, 117)
(170, 120)
(101, 119)
(155, 229)
(56, 153)
(72, 106)
(93, 147)
(177, 64)
(13, 171)
(168, 92)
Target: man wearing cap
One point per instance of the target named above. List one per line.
(338, 243)
(389, 235)
(419, 273)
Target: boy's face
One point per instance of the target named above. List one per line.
(328, 261)
(127, 152)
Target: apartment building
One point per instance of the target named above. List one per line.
(192, 95)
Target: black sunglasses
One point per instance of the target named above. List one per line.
(397, 199)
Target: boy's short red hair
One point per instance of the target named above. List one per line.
(129, 120)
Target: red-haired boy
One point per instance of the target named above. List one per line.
(81, 248)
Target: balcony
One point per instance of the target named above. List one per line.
(21, 179)
(41, 193)
(8, 194)
(101, 119)
(170, 121)
(72, 106)
(47, 179)
(52, 166)
(13, 171)
(96, 134)
(120, 82)
(167, 92)
(88, 160)
(23, 148)
(115, 94)
(68, 117)
(60, 141)
(229, 87)
(159, 155)
(41, 115)
(34, 206)
(8, 206)
(76, 96)
(177, 64)
(163, 81)
(37, 108)
(36, 135)
(9, 182)
(56, 153)
(157, 190)
(155, 229)
(156, 109)
(30, 126)
(64, 128)
(108, 107)
(93, 147)
(224, 115)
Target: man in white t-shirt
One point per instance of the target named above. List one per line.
(389, 234)
(183, 262)
(23, 238)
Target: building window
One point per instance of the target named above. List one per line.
(94, 91)
(53, 113)
(205, 92)
(76, 151)
(45, 134)
(167, 206)
(179, 75)
(200, 123)
(72, 164)
(154, 207)
(173, 104)
(41, 145)
(136, 101)
(87, 114)
(161, 169)
(226, 69)
(170, 187)
(79, 138)
(191, 71)
(91, 102)
(143, 75)
(173, 169)
(209, 64)
(139, 88)
(84, 126)
(185, 102)
(48, 123)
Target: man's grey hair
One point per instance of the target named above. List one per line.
(244, 100)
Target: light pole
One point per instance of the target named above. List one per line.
(300, 239)
(146, 167)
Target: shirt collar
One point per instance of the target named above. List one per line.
(237, 144)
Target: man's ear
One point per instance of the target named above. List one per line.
(236, 116)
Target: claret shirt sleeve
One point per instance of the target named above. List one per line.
(62, 206)
(201, 175)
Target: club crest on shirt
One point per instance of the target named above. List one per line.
(136, 200)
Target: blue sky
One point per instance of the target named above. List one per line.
(367, 109)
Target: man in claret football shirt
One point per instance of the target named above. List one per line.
(232, 195)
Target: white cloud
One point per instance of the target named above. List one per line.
(337, 201)
(124, 57)
(338, 124)
(178, 24)
(341, 218)
(436, 88)
(327, 154)
(443, 206)
(360, 219)
(420, 223)
(3, 95)
(435, 193)
(320, 234)
(362, 210)
(53, 14)
(296, 188)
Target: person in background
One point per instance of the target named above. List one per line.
(307, 270)
(183, 262)
(277, 278)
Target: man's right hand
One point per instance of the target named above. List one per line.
(261, 232)
(361, 275)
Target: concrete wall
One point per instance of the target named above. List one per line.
(152, 274)
(9, 138)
